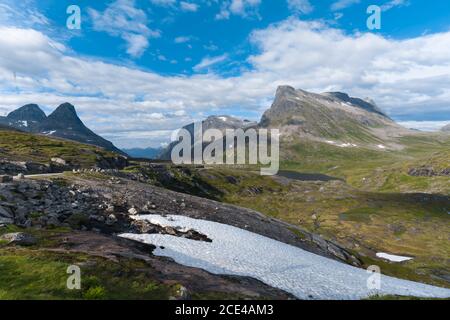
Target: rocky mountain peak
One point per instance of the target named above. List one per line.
(65, 113)
(446, 128)
(366, 104)
(283, 91)
(29, 112)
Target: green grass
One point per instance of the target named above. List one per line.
(35, 274)
(375, 170)
(31, 147)
(363, 222)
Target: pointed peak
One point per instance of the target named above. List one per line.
(28, 112)
(285, 90)
(66, 106)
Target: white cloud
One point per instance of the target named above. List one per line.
(122, 19)
(188, 6)
(137, 44)
(394, 3)
(405, 77)
(243, 8)
(342, 4)
(209, 61)
(300, 6)
(164, 3)
(182, 39)
(21, 13)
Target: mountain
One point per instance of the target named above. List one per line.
(65, 123)
(331, 116)
(62, 123)
(221, 123)
(446, 128)
(146, 153)
(26, 118)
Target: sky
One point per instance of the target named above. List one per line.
(138, 69)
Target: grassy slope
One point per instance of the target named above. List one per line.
(20, 146)
(375, 170)
(364, 222)
(35, 273)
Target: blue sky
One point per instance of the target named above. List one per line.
(139, 69)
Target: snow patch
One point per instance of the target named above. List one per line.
(49, 133)
(234, 251)
(342, 145)
(380, 146)
(24, 123)
(392, 257)
(224, 119)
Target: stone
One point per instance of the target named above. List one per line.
(19, 238)
(20, 176)
(5, 213)
(59, 161)
(5, 221)
(111, 220)
(133, 211)
(5, 179)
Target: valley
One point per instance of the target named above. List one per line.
(339, 196)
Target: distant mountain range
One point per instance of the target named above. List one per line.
(221, 123)
(62, 123)
(331, 117)
(146, 153)
(446, 128)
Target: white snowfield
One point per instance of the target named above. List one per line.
(239, 252)
(392, 257)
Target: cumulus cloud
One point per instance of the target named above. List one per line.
(121, 18)
(188, 6)
(243, 8)
(405, 77)
(300, 6)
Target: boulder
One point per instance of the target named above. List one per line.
(5, 212)
(5, 179)
(59, 161)
(19, 238)
(133, 211)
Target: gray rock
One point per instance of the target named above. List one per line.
(6, 213)
(111, 220)
(19, 238)
(5, 179)
(59, 161)
(133, 211)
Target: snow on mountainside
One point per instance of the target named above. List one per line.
(332, 116)
(235, 251)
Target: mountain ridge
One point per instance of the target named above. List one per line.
(63, 122)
